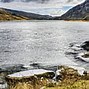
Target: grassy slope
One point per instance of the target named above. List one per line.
(71, 80)
(81, 84)
(7, 16)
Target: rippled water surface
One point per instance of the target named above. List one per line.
(40, 41)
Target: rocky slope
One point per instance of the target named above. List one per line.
(79, 12)
(8, 14)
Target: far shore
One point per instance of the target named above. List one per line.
(45, 20)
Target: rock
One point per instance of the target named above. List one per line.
(58, 76)
(8, 69)
(30, 79)
(76, 47)
(86, 18)
(29, 73)
(84, 56)
(11, 68)
(71, 53)
(3, 84)
(2, 81)
(35, 65)
(85, 45)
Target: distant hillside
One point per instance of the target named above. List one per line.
(4, 15)
(79, 12)
(8, 14)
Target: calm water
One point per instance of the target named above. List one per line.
(44, 42)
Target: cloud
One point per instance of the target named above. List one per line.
(43, 1)
(50, 7)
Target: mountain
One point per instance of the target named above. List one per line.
(79, 12)
(8, 14)
(4, 15)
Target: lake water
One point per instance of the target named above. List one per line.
(44, 42)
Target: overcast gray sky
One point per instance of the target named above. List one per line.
(50, 7)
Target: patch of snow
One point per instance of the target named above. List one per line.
(29, 73)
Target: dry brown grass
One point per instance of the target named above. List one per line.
(81, 84)
(71, 79)
(7, 16)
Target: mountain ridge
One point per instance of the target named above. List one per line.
(79, 12)
(9, 14)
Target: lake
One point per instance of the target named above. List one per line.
(43, 42)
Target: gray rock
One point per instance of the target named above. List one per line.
(11, 68)
(85, 45)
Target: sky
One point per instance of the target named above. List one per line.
(44, 7)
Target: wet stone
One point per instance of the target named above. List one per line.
(11, 68)
(85, 45)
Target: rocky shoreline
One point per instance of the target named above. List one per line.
(40, 77)
(17, 76)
